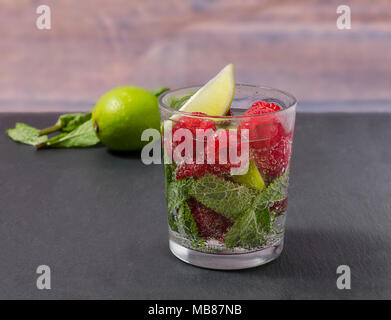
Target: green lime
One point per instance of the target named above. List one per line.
(122, 114)
(252, 178)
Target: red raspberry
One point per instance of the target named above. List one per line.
(192, 124)
(219, 167)
(260, 128)
(272, 158)
(279, 206)
(261, 107)
(199, 170)
(210, 224)
(186, 170)
(270, 143)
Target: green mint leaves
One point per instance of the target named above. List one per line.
(26, 134)
(159, 91)
(76, 132)
(186, 223)
(250, 230)
(276, 191)
(222, 196)
(249, 209)
(67, 122)
(177, 103)
(180, 218)
(82, 136)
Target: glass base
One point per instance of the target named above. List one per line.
(226, 261)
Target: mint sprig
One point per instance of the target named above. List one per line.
(169, 170)
(276, 191)
(26, 134)
(177, 103)
(159, 91)
(67, 122)
(75, 129)
(180, 218)
(248, 208)
(250, 230)
(82, 136)
(223, 196)
(186, 224)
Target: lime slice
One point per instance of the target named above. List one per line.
(252, 178)
(215, 97)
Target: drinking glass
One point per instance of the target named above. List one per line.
(227, 210)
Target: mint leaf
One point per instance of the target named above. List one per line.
(276, 191)
(169, 170)
(177, 103)
(71, 121)
(222, 196)
(82, 136)
(67, 122)
(177, 193)
(247, 207)
(186, 224)
(158, 92)
(26, 134)
(250, 230)
(180, 218)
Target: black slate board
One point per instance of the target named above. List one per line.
(98, 220)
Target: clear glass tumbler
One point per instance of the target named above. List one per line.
(227, 178)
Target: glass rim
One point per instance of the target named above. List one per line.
(189, 114)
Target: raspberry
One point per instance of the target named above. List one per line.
(274, 155)
(220, 168)
(192, 124)
(279, 206)
(210, 224)
(195, 170)
(261, 107)
(260, 128)
(186, 170)
(270, 143)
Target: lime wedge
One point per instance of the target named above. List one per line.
(215, 97)
(252, 178)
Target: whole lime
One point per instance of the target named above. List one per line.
(122, 114)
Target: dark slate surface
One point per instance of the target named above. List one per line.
(98, 220)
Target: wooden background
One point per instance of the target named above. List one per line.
(95, 45)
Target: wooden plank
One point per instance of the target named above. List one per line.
(95, 45)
